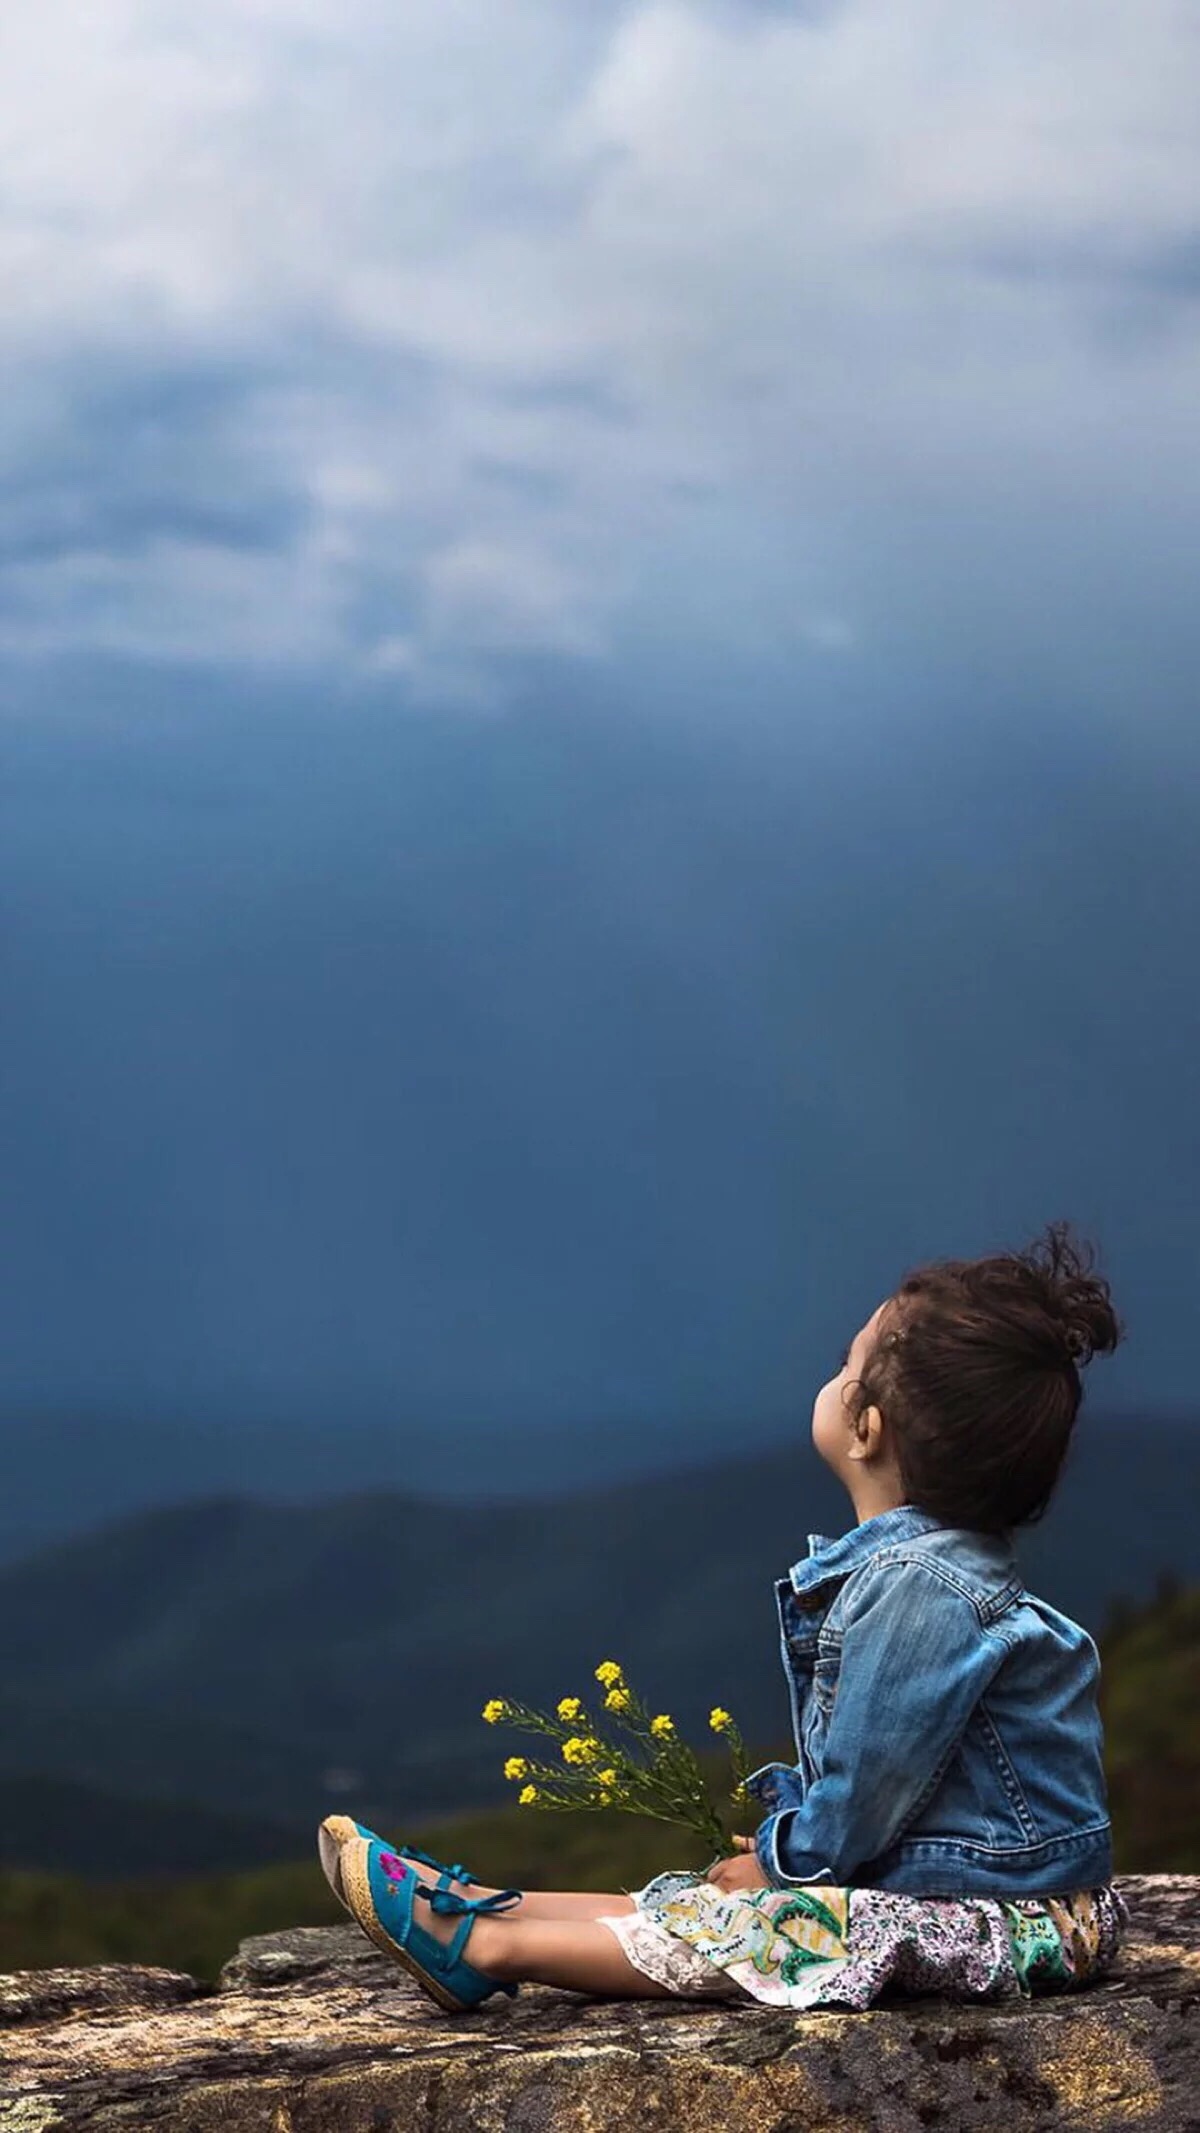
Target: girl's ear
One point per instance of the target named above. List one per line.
(866, 1437)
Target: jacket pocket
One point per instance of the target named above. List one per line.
(827, 1667)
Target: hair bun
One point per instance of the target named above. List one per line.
(1077, 1298)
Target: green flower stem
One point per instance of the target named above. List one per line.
(737, 1749)
(655, 1775)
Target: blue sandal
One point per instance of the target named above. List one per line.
(381, 1893)
(337, 1830)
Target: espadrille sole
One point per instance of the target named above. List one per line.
(335, 1831)
(353, 1853)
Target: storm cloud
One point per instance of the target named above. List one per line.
(404, 340)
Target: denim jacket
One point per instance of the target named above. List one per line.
(947, 1734)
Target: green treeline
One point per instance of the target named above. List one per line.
(1151, 1708)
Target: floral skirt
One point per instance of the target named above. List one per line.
(824, 1946)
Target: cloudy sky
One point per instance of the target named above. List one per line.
(598, 704)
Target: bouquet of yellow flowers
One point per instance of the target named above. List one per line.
(627, 1758)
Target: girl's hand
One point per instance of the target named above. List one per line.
(741, 1873)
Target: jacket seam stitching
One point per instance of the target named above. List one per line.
(1074, 1840)
(984, 1606)
(1008, 1776)
(983, 1609)
(910, 1551)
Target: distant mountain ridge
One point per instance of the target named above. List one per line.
(64, 1474)
(267, 1662)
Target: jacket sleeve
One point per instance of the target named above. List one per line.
(915, 1660)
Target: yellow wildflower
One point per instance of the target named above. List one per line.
(605, 1799)
(618, 1699)
(580, 1749)
(527, 1796)
(493, 1711)
(606, 1778)
(570, 1707)
(719, 1720)
(608, 1672)
(516, 1767)
(663, 1726)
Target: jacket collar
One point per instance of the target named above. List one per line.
(837, 1558)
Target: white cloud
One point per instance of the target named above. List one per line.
(506, 296)
(491, 597)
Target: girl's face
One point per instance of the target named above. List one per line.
(832, 1426)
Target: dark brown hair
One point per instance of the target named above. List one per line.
(975, 1368)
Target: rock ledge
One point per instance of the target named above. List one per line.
(312, 2031)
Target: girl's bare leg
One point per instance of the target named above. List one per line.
(579, 1905)
(576, 1954)
(550, 1938)
(574, 1904)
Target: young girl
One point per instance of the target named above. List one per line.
(944, 1827)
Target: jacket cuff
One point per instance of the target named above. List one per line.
(770, 1848)
(770, 1783)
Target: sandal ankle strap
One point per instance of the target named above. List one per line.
(456, 1873)
(448, 1904)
